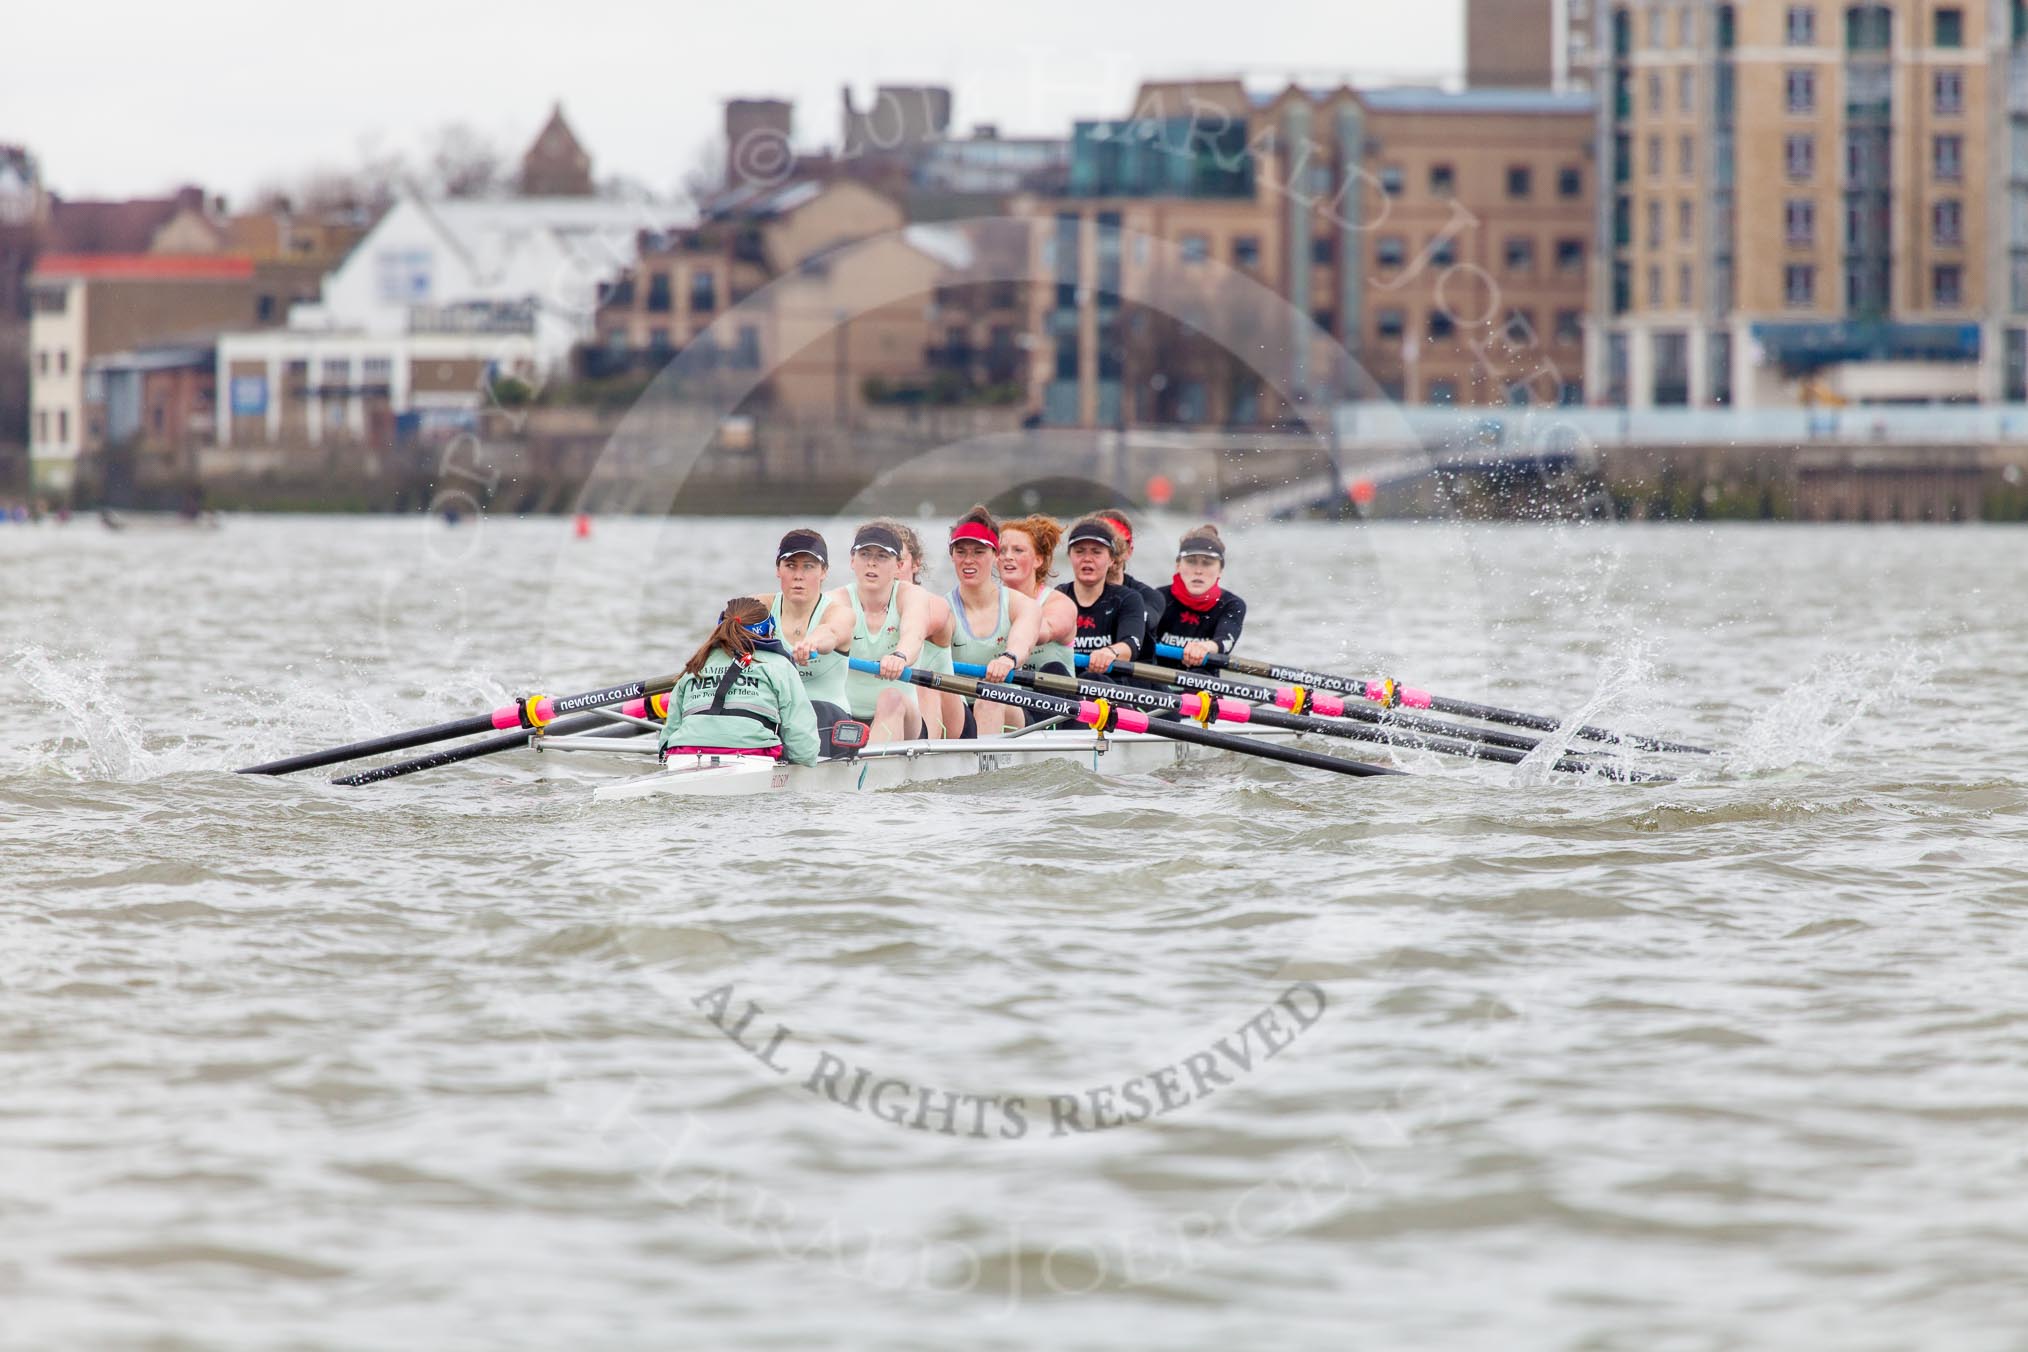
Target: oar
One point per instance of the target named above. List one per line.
(1297, 701)
(1105, 716)
(530, 715)
(590, 724)
(1392, 695)
(1206, 709)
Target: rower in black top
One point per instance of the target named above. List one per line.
(1199, 615)
(1112, 620)
(1152, 598)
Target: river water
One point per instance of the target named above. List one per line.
(1484, 1057)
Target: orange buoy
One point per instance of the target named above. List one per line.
(1361, 492)
(582, 528)
(1160, 490)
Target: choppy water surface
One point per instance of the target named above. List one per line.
(1479, 1058)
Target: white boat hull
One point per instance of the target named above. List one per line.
(886, 767)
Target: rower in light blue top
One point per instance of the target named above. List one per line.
(991, 625)
(887, 627)
(813, 625)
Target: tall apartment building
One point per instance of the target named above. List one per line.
(1219, 257)
(1813, 203)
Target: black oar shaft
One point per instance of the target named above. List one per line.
(466, 727)
(1351, 685)
(1021, 698)
(485, 746)
(1246, 690)
(1326, 727)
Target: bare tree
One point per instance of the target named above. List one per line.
(705, 178)
(463, 163)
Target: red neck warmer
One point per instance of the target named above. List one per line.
(1200, 604)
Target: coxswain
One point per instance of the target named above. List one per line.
(1152, 598)
(740, 694)
(1112, 620)
(991, 625)
(888, 621)
(1200, 616)
(813, 625)
(1027, 562)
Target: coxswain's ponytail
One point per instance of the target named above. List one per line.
(743, 620)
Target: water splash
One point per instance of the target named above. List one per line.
(1621, 696)
(77, 689)
(1810, 721)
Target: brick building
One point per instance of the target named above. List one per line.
(1220, 258)
(1813, 203)
(555, 163)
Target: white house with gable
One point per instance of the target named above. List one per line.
(439, 298)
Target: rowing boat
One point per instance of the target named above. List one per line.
(888, 765)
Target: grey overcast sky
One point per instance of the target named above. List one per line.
(131, 97)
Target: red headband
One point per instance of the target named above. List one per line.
(1126, 531)
(975, 530)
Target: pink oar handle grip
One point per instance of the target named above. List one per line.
(507, 716)
(1234, 710)
(1124, 720)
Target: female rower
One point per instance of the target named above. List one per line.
(812, 625)
(739, 694)
(1201, 617)
(942, 714)
(1152, 598)
(1027, 551)
(887, 626)
(1112, 620)
(992, 625)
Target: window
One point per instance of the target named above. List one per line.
(1520, 328)
(296, 378)
(1391, 251)
(1950, 28)
(1654, 225)
(703, 291)
(1948, 221)
(1323, 252)
(1686, 27)
(1196, 248)
(1520, 181)
(1326, 320)
(1799, 284)
(658, 338)
(1686, 287)
(334, 374)
(1686, 156)
(1950, 158)
(746, 353)
(1686, 221)
(1799, 157)
(1949, 86)
(1246, 251)
(63, 427)
(658, 293)
(1390, 323)
(1570, 255)
(1655, 93)
(1654, 285)
(1801, 87)
(42, 363)
(1443, 251)
(1654, 157)
(1869, 28)
(1443, 180)
(1801, 30)
(1391, 180)
(377, 373)
(1441, 326)
(1799, 222)
(1657, 35)
(1947, 284)
(1520, 254)
(42, 426)
(1443, 392)
(63, 361)
(1686, 91)
(1570, 326)
(1569, 183)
